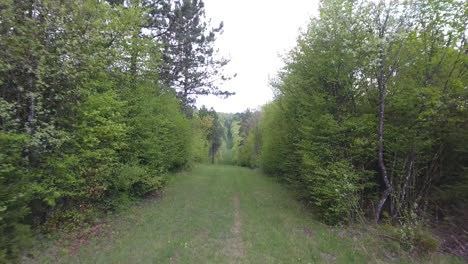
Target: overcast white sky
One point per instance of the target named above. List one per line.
(256, 32)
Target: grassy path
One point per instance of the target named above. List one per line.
(218, 214)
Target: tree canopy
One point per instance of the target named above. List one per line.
(90, 115)
(370, 114)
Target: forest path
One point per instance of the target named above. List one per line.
(217, 214)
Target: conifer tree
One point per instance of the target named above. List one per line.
(190, 63)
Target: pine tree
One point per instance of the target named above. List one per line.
(190, 61)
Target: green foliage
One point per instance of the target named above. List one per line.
(321, 132)
(411, 238)
(248, 154)
(136, 181)
(249, 139)
(200, 145)
(160, 134)
(333, 189)
(214, 130)
(190, 63)
(277, 153)
(229, 150)
(14, 196)
(85, 125)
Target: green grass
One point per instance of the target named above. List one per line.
(216, 214)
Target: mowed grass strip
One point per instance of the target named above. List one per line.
(217, 214)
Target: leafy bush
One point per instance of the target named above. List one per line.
(14, 196)
(326, 131)
(199, 145)
(138, 181)
(333, 190)
(85, 123)
(160, 135)
(411, 238)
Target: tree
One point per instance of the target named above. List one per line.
(84, 124)
(215, 131)
(249, 138)
(369, 106)
(229, 135)
(389, 33)
(190, 62)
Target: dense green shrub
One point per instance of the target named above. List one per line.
(136, 181)
(327, 132)
(278, 151)
(333, 190)
(14, 196)
(200, 145)
(160, 135)
(249, 152)
(249, 139)
(85, 124)
(412, 238)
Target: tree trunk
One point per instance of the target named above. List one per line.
(411, 158)
(383, 169)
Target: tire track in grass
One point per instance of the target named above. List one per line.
(235, 249)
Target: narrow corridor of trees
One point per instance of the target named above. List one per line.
(369, 120)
